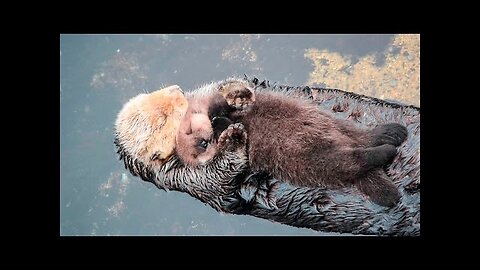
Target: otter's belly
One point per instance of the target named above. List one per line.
(292, 144)
(275, 143)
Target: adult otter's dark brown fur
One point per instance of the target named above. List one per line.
(295, 141)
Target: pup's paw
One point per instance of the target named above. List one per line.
(234, 137)
(238, 95)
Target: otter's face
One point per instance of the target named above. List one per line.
(147, 125)
(196, 144)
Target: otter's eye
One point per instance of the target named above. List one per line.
(203, 144)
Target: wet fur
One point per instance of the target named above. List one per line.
(292, 139)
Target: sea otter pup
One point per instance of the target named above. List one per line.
(292, 139)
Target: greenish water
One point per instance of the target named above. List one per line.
(99, 73)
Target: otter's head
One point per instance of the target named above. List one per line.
(198, 133)
(147, 125)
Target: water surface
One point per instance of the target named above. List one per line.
(99, 73)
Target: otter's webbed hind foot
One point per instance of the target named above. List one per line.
(380, 188)
(391, 133)
(373, 157)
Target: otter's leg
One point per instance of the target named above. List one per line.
(373, 157)
(237, 95)
(391, 133)
(342, 166)
(379, 187)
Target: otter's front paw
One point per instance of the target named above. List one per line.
(391, 133)
(233, 138)
(238, 95)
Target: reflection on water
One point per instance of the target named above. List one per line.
(391, 74)
(99, 73)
